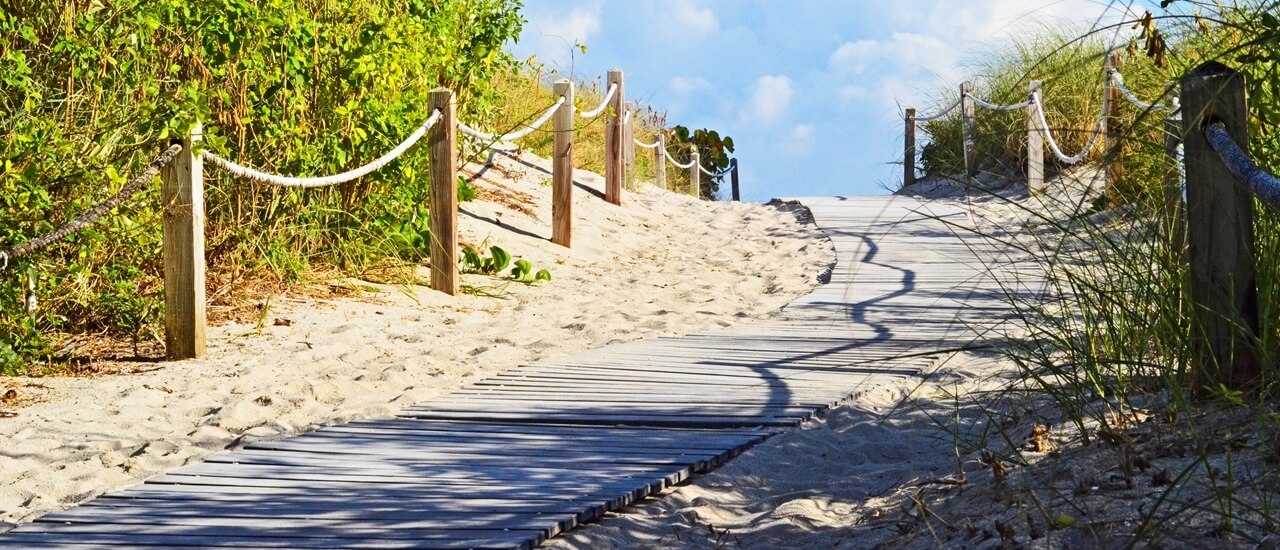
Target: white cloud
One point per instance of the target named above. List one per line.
(801, 132)
(799, 142)
(694, 19)
(770, 99)
(688, 85)
(555, 34)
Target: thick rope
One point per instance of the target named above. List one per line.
(1118, 80)
(1053, 144)
(626, 119)
(292, 181)
(996, 107)
(939, 114)
(686, 166)
(93, 214)
(715, 174)
(613, 88)
(1262, 184)
(653, 145)
(512, 136)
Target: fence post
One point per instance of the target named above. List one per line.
(562, 168)
(629, 144)
(443, 142)
(1035, 143)
(695, 186)
(660, 159)
(614, 135)
(909, 149)
(969, 130)
(1113, 156)
(1220, 232)
(182, 197)
(733, 176)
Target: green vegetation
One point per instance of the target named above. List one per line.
(1110, 346)
(92, 91)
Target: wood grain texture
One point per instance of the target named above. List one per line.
(182, 197)
(442, 141)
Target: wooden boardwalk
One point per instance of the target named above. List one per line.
(539, 449)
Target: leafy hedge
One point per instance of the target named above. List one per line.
(92, 90)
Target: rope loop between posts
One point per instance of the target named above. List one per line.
(613, 88)
(512, 136)
(293, 181)
(94, 214)
(939, 114)
(685, 166)
(1116, 78)
(1262, 184)
(715, 174)
(996, 107)
(653, 145)
(1053, 144)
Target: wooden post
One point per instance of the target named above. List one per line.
(629, 145)
(1220, 232)
(442, 140)
(660, 159)
(1175, 213)
(1035, 143)
(615, 170)
(182, 197)
(1113, 157)
(562, 168)
(969, 130)
(733, 175)
(695, 186)
(909, 149)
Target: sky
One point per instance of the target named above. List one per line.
(812, 91)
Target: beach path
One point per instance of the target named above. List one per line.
(525, 455)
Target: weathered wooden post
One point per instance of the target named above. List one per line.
(562, 168)
(660, 159)
(442, 140)
(733, 175)
(629, 144)
(695, 186)
(182, 195)
(909, 149)
(1114, 157)
(969, 130)
(1220, 232)
(614, 136)
(1035, 143)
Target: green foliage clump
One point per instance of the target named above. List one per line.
(713, 155)
(92, 91)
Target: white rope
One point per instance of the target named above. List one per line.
(512, 136)
(1118, 80)
(626, 119)
(291, 181)
(1053, 144)
(678, 165)
(995, 107)
(940, 114)
(714, 174)
(653, 145)
(5, 256)
(613, 88)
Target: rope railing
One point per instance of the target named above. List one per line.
(88, 217)
(604, 104)
(672, 160)
(639, 143)
(512, 136)
(939, 114)
(1117, 79)
(997, 107)
(1263, 185)
(323, 181)
(1053, 144)
(715, 174)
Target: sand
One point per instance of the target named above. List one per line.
(662, 264)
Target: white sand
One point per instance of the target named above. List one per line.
(662, 264)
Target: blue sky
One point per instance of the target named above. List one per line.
(810, 90)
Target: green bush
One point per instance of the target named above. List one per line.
(92, 91)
